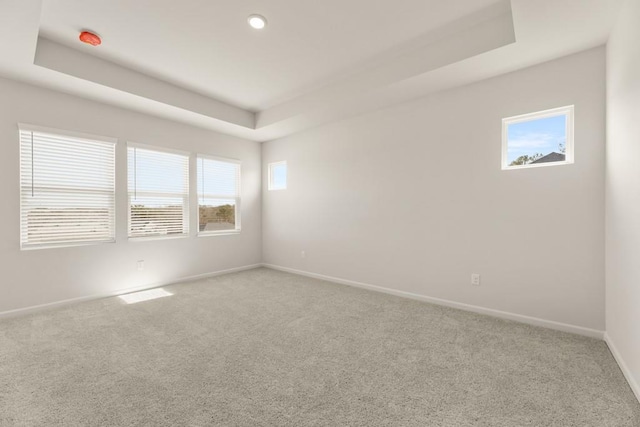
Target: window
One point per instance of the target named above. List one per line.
(158, 192)
(278, 176)
(538, 139)
(67, 188)
(218, 195)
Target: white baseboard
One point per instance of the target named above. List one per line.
(57, 304)
(564, 327)
(635, 387)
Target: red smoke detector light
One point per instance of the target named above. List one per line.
(90, 38)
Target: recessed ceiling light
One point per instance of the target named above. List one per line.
(257, 21)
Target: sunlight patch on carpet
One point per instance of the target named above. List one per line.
(136, 297)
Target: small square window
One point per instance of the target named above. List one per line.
(538, 139)
(278, 176)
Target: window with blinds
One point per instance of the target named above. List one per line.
(218, 195)
(158, 192)
(67, 189)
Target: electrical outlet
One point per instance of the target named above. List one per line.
(140, 265)
(475, 279)
(303, 254)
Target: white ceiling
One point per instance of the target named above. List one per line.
(198, 61)
(207, 46)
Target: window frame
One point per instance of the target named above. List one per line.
(238, 198)
(26, 127)
(568, 111)
(270, 183)
(186, 228)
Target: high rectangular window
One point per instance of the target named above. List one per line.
(218, 195)
(538, 139)
(158, 192)
(277, 176)
(67, 188)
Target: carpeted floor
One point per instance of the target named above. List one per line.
(266, 348)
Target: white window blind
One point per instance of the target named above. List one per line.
(218, 195)
(67, 189)
(158, 192)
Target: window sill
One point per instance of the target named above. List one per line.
(539, 165)
(65, 245)
(151, 238)
(218, 233)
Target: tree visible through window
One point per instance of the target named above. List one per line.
(218, 195)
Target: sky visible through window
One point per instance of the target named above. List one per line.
(538, 136)
(279, 175)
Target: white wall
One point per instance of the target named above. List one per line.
(623, 191)
(34, 277)
(413, 198)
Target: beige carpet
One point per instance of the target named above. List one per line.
(265, 348)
